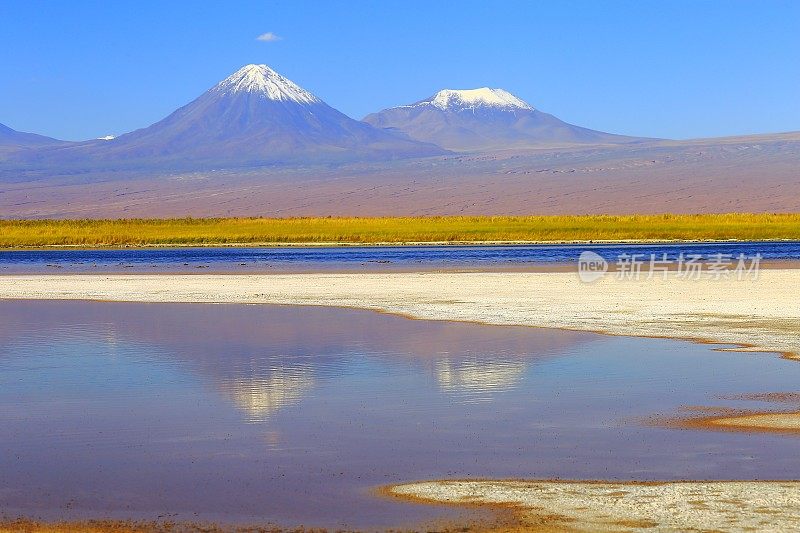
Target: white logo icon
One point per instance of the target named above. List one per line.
(591, 266)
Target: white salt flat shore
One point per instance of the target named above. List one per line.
(602, 506)
(760, 315)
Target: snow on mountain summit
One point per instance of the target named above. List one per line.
(260, 79)
(471, 98)
(483, 119)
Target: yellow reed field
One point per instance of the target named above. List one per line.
(454, 229)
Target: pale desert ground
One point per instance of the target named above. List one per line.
(737, 174)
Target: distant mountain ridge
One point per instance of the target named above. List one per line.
(257, 144)
(10, 137)
(255, 116)
(483, 119)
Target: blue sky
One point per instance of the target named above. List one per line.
(678, 69)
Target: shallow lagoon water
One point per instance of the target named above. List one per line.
(293, 415)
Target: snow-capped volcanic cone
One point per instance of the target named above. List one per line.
(258, 115)
(479, 119)
(255, 116)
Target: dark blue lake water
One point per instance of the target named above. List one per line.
(346, 258)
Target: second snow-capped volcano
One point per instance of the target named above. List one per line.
(481, 119)
(473, 99)
(253, 117)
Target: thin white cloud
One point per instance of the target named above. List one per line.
(268, 37)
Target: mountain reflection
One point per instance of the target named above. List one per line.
(260, 396)
(478, 380)
(264, 359)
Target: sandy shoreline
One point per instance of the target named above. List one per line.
(765, 421)
(549, 505)
(756, 315)
(709, 418)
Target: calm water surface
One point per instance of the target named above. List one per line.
(358, 258)
(292, 415)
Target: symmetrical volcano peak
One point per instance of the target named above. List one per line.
(260, 79)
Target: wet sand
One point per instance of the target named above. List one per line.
(788, 422)
(753, 315)
(504, 522)
(606, 506)
(741, 420)
(126, 526)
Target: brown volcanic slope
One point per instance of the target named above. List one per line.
(752, 173)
